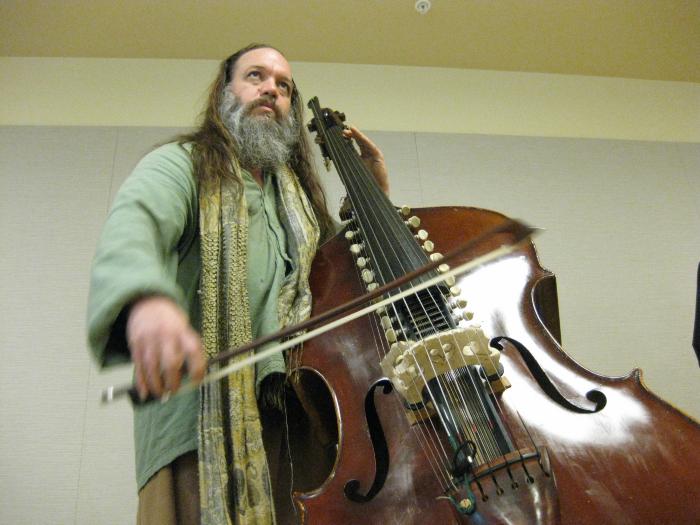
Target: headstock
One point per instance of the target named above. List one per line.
(324, 120)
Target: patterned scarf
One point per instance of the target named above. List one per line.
(234, 480)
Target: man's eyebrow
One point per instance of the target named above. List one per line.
(253, 67)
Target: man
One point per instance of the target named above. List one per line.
(213, 235)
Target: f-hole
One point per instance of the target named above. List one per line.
(381, 449)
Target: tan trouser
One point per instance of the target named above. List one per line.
(171, 496)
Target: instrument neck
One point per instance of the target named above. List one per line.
(377, 227)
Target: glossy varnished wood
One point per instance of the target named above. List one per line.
(635, 461)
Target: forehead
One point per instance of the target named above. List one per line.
(265, 57)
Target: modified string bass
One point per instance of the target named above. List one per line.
(456, 404)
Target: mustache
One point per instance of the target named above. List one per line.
(264, 100)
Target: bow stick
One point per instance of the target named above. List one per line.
(519, 232)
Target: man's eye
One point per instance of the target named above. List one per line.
(285, 87)
(254, 74)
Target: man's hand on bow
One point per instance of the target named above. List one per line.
(161, 341)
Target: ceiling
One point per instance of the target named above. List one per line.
(643, 39)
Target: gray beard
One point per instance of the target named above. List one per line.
(262, 141)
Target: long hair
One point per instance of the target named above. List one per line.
(213, 146)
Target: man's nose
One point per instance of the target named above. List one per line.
(269, 87)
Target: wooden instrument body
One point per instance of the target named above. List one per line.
(634, 461)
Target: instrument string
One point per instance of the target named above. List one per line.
(380, 342)
(470, 425)
(337, 144)
(396, 234)
(466, 426)
(409, 310)
(456, 423)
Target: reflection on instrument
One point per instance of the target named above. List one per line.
(456, 404)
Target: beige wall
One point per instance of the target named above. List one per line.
(131, 92)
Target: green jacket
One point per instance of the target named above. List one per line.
(150, 245)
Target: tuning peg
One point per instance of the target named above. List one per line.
(435, 256)
(405, 210)
(450, 281)
(361, 262)
(367, 276)
(350, 234)
(457, 316)
(458, 303)
(413, 222)
(428, 246)
(463, 316)
(355, 249)
(421, 235)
